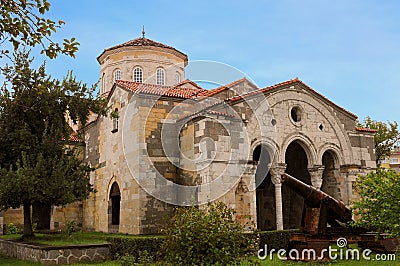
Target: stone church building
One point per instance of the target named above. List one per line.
(170, 142)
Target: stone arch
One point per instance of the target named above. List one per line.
(297, 161)
(308, 98)
(330, 176)
(114, 208)
(336, 152)
(265, 196)
(304, 142)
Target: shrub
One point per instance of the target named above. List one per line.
(209, 236)
(275, 239)
(12, 229)
(136, 249)
(71, 227)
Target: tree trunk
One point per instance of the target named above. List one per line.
(27, 220)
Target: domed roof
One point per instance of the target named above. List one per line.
(144, 42)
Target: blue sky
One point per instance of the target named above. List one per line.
(348, 50)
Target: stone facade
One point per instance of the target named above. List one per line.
(229, 144)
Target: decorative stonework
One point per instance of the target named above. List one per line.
(277, 170)
(55, 255)
(316, 175)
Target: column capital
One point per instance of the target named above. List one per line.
(316, 172)
(277, 170)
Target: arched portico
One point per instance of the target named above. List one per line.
(297, 162)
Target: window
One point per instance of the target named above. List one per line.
(117, 74)
(177, 78)
(137, 74)
(104, 83)
(160, 76)
(115, 117)
(394, 160)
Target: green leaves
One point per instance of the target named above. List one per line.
(386, 137)
(204, 236)
(22, 23)
(36, 165)
(379, 203)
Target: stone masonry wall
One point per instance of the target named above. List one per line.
(55, 255)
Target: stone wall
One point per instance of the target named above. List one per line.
(55, 255)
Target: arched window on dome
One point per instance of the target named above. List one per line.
(160, 76)
(104, 83)
(137, 74)
(117, 74)
(177, 77)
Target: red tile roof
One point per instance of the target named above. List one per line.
(168, 91)
(143, 42)
(368, 130)
(74, 137)
(188, 81)
(222, 88)
(287, 83)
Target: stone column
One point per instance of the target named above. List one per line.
(277, 171)
(316, 173)
(311, 222)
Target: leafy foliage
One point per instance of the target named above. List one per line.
(23, 23)
(275, 239)
(209, 236)
(386, 137)
(36, 165)
(136, 249)
(12, 229)
(71, 227)
(379, 203)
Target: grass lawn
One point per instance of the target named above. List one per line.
(9, 261)
(274, 262)
(98, 237)
(64, 240)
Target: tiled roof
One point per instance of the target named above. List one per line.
(287, 83)
(168, 91)
(363, 129)
(222, 88)
(74, 137)
(188, 81)
(142, 42)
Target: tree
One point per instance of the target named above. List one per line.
(36, 164)
(386, 136)
(23, 23)
(379, 204)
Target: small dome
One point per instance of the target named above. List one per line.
(140, 42)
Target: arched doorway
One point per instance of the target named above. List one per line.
(265, 193)
(114, 208)
(329, 179)
(293, 204)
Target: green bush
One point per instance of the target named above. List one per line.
(136, 249)
(71, 227)
(209, 236)
(12, 229)
(275, 239)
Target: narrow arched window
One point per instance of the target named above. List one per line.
(177, 78)
(117, 74)
(104, 81)
(160, 76)
(115, 117)
(137, 74)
